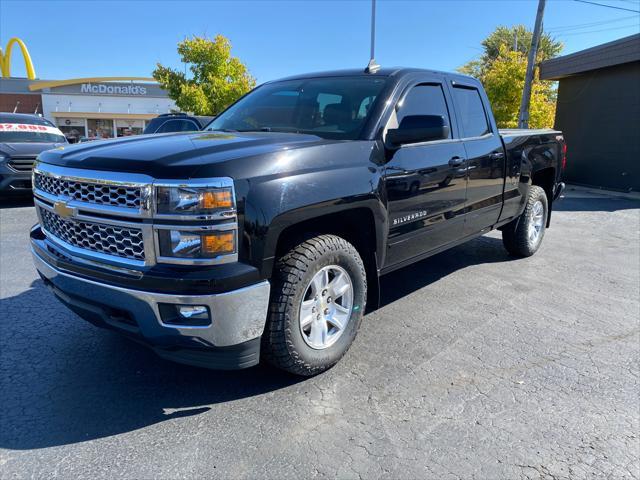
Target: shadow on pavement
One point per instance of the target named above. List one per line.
(16, 201)
(400, 283)
(64, 381)
(595, 204)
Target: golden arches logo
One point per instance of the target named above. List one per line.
(5, 59)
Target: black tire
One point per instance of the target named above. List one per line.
(446, 182)
(283, 344)
(515, 235)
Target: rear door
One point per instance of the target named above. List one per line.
(425, 182)
(485, 157)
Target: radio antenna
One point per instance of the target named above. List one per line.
(373, 67)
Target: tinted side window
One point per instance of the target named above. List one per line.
(177, 126)
(471, 112)
(425, 100)
(152, 126)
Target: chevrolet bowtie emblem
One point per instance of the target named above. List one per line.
(62, 209)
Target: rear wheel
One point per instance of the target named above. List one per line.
(523, 236)
(317, 302)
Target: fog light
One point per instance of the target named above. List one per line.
(173, 315)
(199, 312)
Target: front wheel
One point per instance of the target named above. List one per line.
(319, 292)
(523, 236)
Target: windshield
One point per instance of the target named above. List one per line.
(29, 133)
(332, 107)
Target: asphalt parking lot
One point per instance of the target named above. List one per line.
(477, 366)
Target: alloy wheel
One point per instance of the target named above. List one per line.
(537, 222)
(326, 307)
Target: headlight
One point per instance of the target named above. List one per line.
(194, 200)
(187, 244)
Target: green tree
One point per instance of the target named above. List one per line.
(504, 82)
(217, 79)
(502, 67)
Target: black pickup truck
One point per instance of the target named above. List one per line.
(264, 236)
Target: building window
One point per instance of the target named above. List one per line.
(127, 128)
(100, 128)
(73, 128)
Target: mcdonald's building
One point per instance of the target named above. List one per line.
(84, 108)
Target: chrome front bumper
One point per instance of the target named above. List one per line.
(237, 316)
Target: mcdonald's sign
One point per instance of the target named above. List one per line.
(5, 59)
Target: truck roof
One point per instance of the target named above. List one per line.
(398, 72)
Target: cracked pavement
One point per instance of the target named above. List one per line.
(476, 366)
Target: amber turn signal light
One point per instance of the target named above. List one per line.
(213, 199)
(218, 243)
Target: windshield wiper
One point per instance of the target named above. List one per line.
(261, 129)
(225, 130)
(272, 129)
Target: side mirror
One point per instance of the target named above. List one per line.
(418, 128)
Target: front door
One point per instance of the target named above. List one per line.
(425, 182)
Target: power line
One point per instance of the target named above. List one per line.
(578, 26)
(608, 6)
(596, 31)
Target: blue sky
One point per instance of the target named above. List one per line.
(70, 39)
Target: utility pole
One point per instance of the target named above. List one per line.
(523, 116)
(373, 67)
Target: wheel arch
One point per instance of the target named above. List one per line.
(545, 178)
(361, 225)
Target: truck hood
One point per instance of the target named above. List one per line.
(173, 156)
(25, 148)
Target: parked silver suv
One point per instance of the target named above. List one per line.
(22, 138)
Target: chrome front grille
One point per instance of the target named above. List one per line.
(101, 238)
(111, 217)
(22, 163)
(99, 194)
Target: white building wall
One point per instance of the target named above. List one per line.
(54, 102)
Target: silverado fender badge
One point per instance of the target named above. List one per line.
(410, 217)
(62, 209)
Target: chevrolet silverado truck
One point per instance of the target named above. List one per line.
(264, 236)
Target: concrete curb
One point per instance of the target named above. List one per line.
(577, 189)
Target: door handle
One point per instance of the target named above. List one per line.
(496, 155)
(456, 161)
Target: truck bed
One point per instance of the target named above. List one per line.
(518, 132)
